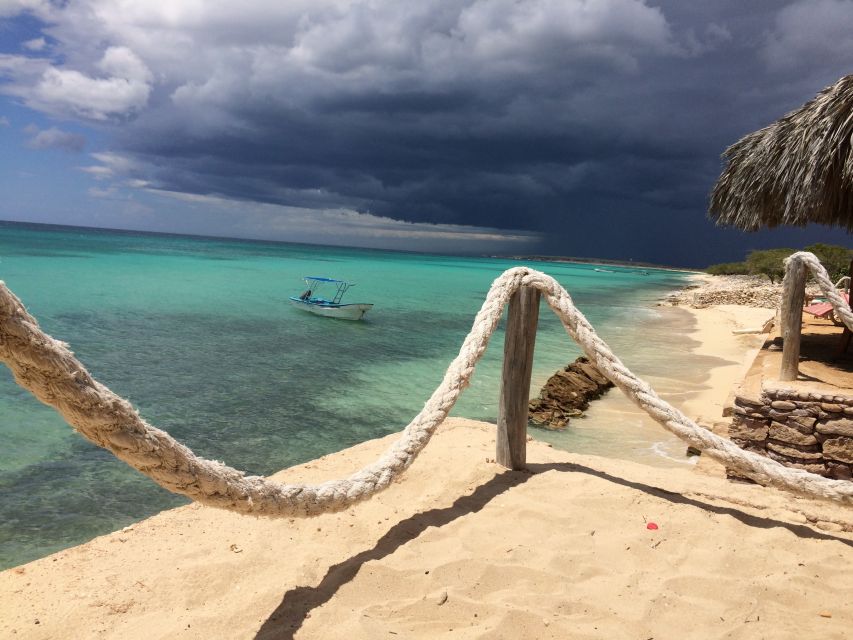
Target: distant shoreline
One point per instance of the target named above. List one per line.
(598, 261)
(49, 226)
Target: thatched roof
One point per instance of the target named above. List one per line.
(797, 171)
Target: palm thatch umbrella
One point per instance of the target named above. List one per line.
(797, 171)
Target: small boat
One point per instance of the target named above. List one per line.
(604, 270)
(312, 301)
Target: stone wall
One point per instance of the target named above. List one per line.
(798, 429)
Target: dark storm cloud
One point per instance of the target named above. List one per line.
(598, 123)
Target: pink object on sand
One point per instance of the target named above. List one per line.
(822, 309)
(651, 526)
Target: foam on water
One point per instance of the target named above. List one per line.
(662, 449)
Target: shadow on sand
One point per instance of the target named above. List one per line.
(297, 603)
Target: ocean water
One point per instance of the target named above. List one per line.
(198, 335)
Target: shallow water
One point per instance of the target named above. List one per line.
(656, 347)
(198, 335)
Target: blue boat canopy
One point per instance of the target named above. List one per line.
(316, 282)
(321, 279)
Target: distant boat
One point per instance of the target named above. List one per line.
(314, 302)
(604, 270)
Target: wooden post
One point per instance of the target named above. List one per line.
(792, 323)
(520, 338)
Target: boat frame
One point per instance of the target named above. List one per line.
(333, 308)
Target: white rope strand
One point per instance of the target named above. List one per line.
(49, 370)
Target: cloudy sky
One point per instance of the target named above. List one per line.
(564, 127)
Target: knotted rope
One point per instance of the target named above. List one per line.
(50, 371)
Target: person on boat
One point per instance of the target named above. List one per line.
(305, 295)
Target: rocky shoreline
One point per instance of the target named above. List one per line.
(749, 291)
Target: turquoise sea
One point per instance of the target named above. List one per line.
(198, 335)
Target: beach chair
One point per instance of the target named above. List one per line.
(824, 309)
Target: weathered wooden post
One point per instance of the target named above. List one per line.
(520, 338)
(792, 322)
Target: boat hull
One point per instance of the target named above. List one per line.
(331, 310)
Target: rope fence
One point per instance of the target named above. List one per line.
(48, 369)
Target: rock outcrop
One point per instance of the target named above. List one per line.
(567, 394)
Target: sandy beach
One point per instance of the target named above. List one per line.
(577, 546)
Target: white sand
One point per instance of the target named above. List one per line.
(714, 327)
(462, 548)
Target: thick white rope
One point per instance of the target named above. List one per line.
(49, 370)
(839, 305)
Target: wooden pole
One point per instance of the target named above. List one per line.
(792, 323)
(520, 338)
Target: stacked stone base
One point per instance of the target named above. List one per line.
(804, 430)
